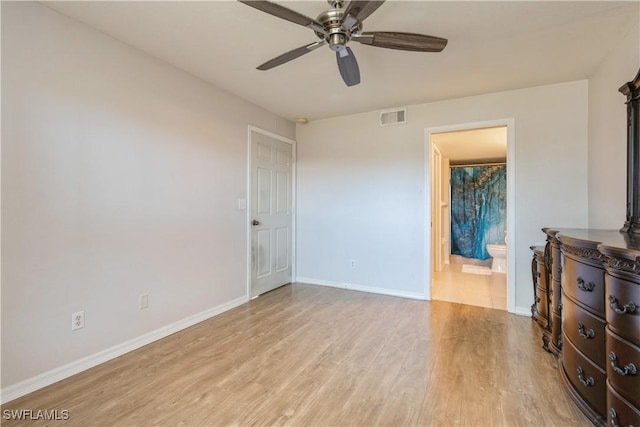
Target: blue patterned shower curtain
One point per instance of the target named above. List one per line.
(478, 207)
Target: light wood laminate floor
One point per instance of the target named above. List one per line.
(452, 285)
(306, 355)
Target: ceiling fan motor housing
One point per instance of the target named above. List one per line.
(337, 36)
(337, 41)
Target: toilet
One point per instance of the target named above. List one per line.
(499, 254)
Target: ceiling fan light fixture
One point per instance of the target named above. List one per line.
(337, 41)
(337, 27)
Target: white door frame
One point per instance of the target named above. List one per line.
(511, 202)
(249, 217)
(436, 207)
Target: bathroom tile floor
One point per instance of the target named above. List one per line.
(452, 285)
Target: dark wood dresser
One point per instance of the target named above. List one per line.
(552, 259)
(622, 306)
(594, 292)
(540, 306)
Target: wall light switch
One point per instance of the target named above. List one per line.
(242, 204)
(144, 301)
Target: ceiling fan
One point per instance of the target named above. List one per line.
(339, 25)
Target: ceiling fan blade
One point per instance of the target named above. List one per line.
(348, 66)
(361, 9)
(285, 13)
(401, 41)
(291, 55)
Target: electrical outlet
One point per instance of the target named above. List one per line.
(144, 301)
(353, 263)
(77, 320)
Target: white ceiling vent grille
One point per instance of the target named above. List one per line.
(393, 117)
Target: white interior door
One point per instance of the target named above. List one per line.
(271, 212)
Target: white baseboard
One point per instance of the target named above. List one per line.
(520, 311)
(29, 385)
(363, 288)
(523, 311)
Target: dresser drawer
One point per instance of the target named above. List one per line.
(620, 412)
(623, 367)
(587, 379)
(584, 283)
(542, 301)
(585, 331)
(541, 276)
(623, 307)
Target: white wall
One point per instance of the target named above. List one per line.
(361, 187)
(120, 176)
(608, 133)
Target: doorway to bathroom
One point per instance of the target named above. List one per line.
(470, 208)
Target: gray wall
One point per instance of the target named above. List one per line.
(362, 187)
(120, 176)
(608, 133)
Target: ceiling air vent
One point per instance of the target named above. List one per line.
(393, 117)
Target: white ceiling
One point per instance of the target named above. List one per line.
(473, 145)
(493, 46)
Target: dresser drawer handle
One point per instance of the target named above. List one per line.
(586, 335)
(614, 418)
(629, 307)
(587, 382)
(559, 306)
(629, 369)
(589, 287)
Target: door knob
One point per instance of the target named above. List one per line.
(255, 222)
